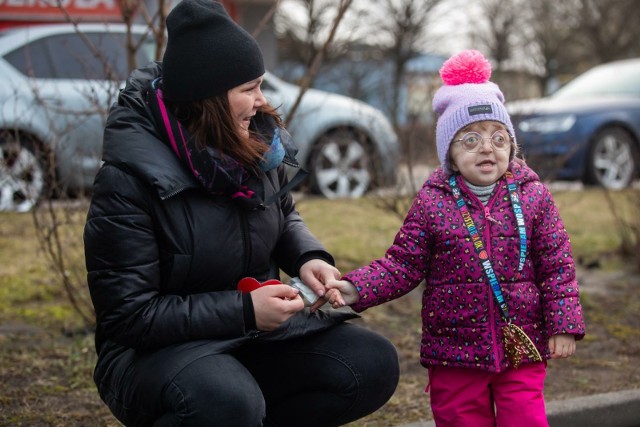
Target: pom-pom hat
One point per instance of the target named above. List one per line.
(207, 52)
(467, 96)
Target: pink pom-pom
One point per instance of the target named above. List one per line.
(468, 66)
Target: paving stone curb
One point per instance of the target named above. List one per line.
(615, 409)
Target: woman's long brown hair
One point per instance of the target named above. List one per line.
(211, 124)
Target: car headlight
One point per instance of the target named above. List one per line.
(561, 123)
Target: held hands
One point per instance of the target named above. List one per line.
(562, 346)
(322, 278)
(316, 273)
(276, 303)
(341, 293)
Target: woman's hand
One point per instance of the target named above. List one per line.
(316, 273)
(562, 346)
(274, 304)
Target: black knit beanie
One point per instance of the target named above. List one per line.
(207, 52)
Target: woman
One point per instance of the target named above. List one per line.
(192, 197)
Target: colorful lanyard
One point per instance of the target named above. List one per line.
(478, 245)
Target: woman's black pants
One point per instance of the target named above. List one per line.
(326, 379)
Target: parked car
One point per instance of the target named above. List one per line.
(588, 130)
(57, 86)
(59, 81)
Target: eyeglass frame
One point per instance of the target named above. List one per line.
(482, 138)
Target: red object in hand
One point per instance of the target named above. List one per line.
(248, 284)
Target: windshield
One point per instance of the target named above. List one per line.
(621, 78)
(93, 55)
(147, 50)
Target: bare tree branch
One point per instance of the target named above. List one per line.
(266, 19)
(308, 78)
(402, 25)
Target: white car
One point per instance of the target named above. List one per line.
(58, 82)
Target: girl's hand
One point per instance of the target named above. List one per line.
(341, 293)
(274, 304)
(562, 346)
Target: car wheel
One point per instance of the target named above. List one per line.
(22, 175)
(612, 161)
(340, 165)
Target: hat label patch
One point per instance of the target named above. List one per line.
(480, 109)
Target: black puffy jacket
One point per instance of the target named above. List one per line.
(163, 256)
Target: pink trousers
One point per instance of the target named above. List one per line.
(467, 397)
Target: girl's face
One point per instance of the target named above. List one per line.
(489, 159)
(244, 101)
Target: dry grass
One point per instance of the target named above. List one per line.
(46, 360)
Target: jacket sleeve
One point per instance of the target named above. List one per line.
(403, 267)
(122, 259)
(555, 268)
(296, 244)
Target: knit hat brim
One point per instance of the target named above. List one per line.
(466, 97)
(207, 53)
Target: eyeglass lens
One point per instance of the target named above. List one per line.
(471, 141)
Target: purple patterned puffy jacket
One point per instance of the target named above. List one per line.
(462, 324)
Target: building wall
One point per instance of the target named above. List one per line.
(248, 13)
(251, 16)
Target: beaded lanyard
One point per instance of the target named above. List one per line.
(517, 343)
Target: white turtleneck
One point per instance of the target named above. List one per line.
(482, 191)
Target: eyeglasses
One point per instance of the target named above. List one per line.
(472, 141)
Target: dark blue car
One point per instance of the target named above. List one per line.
(589, 130)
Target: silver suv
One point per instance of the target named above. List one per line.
(58, 82)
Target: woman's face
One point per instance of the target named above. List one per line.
(244, 101)
(487, 163)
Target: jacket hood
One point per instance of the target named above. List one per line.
(132, 142)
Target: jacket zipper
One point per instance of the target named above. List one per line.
(175, 192)
(486, 239)
(488, 216)
(246, 242)
(290, 163)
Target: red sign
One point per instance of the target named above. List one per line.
(58, 10)
(230, 7)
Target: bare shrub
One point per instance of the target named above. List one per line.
(58, 227)
(624, 206)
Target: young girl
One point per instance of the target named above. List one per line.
(501, 294)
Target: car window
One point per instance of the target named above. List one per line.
(266, 85)
(147, 50)
(32, 60)
(99, 56)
